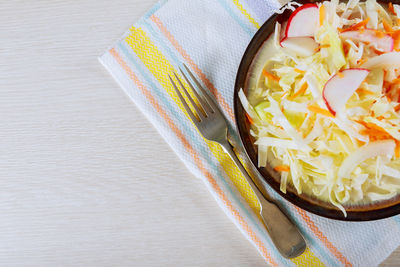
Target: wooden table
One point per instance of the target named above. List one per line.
(84, 178)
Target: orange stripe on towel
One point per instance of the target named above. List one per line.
(194, 155)
(323, 238)
(193, 65)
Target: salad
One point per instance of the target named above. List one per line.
(325, 112)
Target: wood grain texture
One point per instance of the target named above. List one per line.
(85, 180)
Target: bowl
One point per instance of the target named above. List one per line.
(366, 212)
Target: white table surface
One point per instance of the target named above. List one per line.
(84, 178)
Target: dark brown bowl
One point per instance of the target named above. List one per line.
(374, 211)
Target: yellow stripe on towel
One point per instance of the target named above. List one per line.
(160, 67)
(195, 157)
(246, 14)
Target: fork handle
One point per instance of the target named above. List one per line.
(284, 234)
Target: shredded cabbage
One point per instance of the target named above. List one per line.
(346, 158)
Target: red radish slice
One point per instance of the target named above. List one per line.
(341, 87)
(384, 43)
(391, 59)
(303, 21)
(301, 46)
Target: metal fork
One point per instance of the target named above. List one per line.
(212, 124)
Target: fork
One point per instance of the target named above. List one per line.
(211, 123)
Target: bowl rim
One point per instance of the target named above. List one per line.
(331, 212)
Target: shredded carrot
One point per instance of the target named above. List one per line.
(391, 8)
(346, 48)
(396, 37)
(377, 51)
(372, 126)
(376, 132)
(379, 34)
(397, 80)
(380, 118)
(270, 76)
(386, 26)
(282, 168)
(356, 26)
(299, 71)
(364, 91)
(397, 149)
(360, 143)
(375, 136)
(249, 118)
(386, 86)
(372, 113)
(302, 89)
(395, 34)
(397, 108)
(341, 75)
(362, 61)
(321, 15)
(321, 46)
(321, 111)
(398, 21)
(284, 94)
(389, 94)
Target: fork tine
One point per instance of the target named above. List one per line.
(206, 94)
(188, 110)
(200, 113)
(203, 102)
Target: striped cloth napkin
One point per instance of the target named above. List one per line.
(210, 36)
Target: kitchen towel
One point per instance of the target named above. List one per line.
(210, 37)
